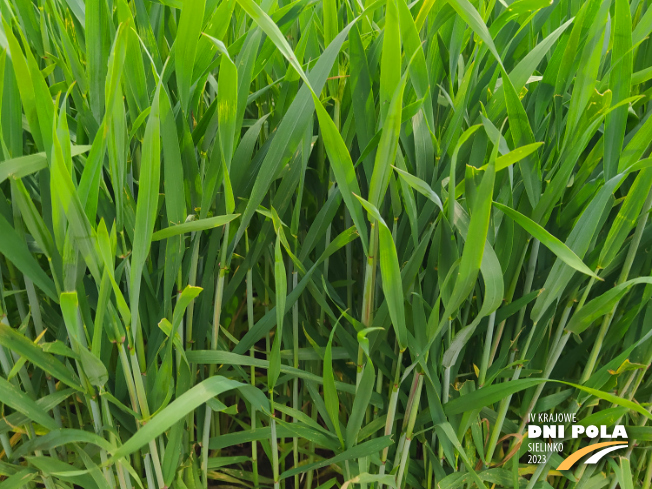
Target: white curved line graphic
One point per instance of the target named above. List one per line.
(595, 458)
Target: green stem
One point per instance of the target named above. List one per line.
(647, 480)
(274, 446)
(411, 415)
(217, 311)
(140, 391)
(250, 322)
(368, 297)
(624, 274)
(349, 263)
(504, 404)
(391, 411)
(123, 479)
(559, 342)
(295, 363)
(484, 363)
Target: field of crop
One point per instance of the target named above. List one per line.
(314, 244)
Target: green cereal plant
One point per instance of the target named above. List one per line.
(313, 244)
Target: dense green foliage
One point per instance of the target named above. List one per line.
(316, 244)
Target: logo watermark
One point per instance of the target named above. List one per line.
(549, 432)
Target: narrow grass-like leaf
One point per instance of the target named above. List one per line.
(343, 169)
(362, 450)
(330, 391)
(391, 275)
(488, 395)
(280, 280)
(626, 218)
(619, 81)
(563, 252)
(420, 186)
(13, 248)
(13, 397)
(387, 146)
(146, 205)
(190, 23)
(175, 411)
(471, 259)
(192, 226)
(601, 305)
(360, 403)
(26, 165)
(16, 342)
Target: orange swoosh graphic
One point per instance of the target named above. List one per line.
(574, 457)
